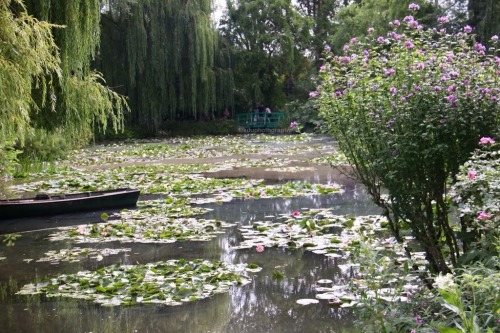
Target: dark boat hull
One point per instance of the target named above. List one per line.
(68, 203)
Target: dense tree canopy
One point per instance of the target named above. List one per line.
(267, 39)
(167, 58)
(172, 62)
(321, 15)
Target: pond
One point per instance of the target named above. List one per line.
(268, 303)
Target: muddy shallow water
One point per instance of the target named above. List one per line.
(264, 305)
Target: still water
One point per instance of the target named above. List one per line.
(264, 305)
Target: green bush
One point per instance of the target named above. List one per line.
(192, 128)
(470, 299)
(8, 158)
(43, 145)
(303, 113)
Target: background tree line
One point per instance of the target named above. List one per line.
(72, 69)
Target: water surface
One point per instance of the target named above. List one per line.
(264, 305)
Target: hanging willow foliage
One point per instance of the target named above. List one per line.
(490, 23)
(167, 57)
(28, 56)
(82, 100)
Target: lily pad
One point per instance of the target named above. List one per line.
(307, 301)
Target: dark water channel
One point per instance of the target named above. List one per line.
(264, 305)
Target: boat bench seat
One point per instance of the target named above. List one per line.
(42, 196)
(45, 196)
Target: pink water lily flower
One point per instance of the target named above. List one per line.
(472, 174)
(295, 213)
(259, 248)
(81, 230)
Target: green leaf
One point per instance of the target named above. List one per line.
(452, 308)
(443, 329)
(450, 298)
(100, 289)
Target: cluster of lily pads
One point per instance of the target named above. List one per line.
(171, 282)
(179, 185)
(317, 230)
(76, 254)
(322, 232)
(149, 179)
(190, 148)
(146, 229)
(167, 220)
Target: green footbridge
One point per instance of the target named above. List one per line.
(251, 121)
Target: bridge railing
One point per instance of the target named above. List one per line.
(252, 120)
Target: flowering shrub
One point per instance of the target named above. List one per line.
(407, 109)
(477, 196)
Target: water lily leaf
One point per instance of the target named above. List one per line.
(328, 296)
(307, 301)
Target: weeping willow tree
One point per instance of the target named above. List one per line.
(28, 55)
(80, 102)
(167, 58)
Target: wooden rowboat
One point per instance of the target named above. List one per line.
(55, 204)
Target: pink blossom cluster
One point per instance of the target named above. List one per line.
(450, 65)
(483, 216)
(413, 6)
(486, 141)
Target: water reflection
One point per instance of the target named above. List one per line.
(264, 305)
